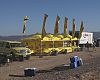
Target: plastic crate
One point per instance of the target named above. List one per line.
(30, 72)
(74, 59)
(73, 65)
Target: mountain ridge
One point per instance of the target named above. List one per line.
(19, 37)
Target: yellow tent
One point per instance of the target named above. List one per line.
(60, 36)
(36, 36)
(75, 38)
(49, 35)
(74, 43)
(47, 39)
(56, 38)
(69, 36)
(65, 39)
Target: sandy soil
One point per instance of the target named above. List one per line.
(50, 67)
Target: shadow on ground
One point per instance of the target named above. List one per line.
(14, 75)
(59, 68)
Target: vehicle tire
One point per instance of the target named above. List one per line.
(54, 53)
(21, 58)
(12, 57)
(3, 59)
(28, 57)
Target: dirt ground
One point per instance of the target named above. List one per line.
(51, 67)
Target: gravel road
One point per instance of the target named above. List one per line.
(51, 67)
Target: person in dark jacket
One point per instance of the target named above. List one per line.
(87, 46)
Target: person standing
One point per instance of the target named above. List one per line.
(87, 46)
(94, 46)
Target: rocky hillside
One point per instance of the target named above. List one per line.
(17, 38)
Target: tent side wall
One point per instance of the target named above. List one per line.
(34, 45)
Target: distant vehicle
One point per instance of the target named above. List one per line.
(14, 50)
(86, 37)
(98, 42)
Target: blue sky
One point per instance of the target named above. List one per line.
(12, 13)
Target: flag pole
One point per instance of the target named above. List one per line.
(43, 33)
(25, 20)
(24, 27)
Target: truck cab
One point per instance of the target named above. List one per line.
(86, 37)
(16, 50)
